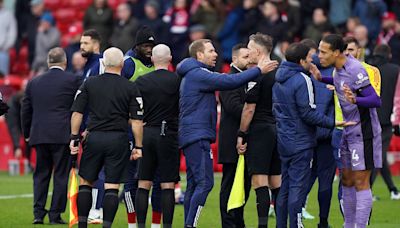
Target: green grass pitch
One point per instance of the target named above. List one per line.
(17, 212)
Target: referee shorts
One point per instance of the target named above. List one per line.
(262, 156)
(159, 153)
(109, 149)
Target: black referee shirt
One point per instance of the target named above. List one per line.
(260, 93)
(160, 92)
(111, 100)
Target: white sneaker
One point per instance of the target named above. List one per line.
(95, 216)
(271, 212)
(394, 195)
(306, 215)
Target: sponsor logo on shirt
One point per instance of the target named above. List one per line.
(250, 85)
(361, 78)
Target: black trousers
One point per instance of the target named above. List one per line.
(385, 171)
(233, 219)
(51, 157)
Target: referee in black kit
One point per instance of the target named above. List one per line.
(112, 101)
(160, 92)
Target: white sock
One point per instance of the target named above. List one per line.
(131, 225)
(155, 225)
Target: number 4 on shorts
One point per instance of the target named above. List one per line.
(354, 156)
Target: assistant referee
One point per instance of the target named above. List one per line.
(112, 101)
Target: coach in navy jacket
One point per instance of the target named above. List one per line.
(198, 117)
(46, 123)
(296, 115)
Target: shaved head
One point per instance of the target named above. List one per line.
(161, 54)
(113, 57)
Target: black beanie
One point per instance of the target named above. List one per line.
(144, 35)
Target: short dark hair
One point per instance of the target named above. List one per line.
(237, 47)
(56, 55)
(93, 34)
(297, 52)
(309, 43)
(383, 50)
(351, 39)
(263, 40)
(197, 46)
(335, 41)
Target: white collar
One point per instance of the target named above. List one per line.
(237, 68)
(56, 67)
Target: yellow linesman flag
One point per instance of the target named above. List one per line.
(237, 195)
(72, 195)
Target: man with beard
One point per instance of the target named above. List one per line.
(90, 49)
(232, 102)
(137, 63)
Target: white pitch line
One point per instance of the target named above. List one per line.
(2, 197)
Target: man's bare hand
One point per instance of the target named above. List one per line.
(330, 87)
(240, 147)
(315, 72)
(348, 94)
(136, 154)
(267, 65)
(344, 123)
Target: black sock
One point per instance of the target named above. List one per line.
(275, 193)
(84, 202)
(262, 199)
(110, 206)
(168, 206)
(323, 222)
(141, 204)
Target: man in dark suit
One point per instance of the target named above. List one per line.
(46, 125)
(232, 102)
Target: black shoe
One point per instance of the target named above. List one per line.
(57, 221)
(321, 226)
(37, 221)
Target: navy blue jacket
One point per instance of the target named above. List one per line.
(92, 66)
(295, 110)
(323, 99)
(197, 104)
(46, 107)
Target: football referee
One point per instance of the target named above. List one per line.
(112, 101)
(160, 92)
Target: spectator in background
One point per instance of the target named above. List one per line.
(292, 17)
(13, 119)
(125, 28)
(339, 12)
(137, 7)
(250, 18)
(210, 14)
(388, 28)
(47, 38)
(229, 34)
(390, 73)
(361, 35)
(271, 23)
(37, 9)
(22, 13)
(74, 33)
(320, 24)
(8, 31)
(78, 63)
(178, 19)
(99, 17)
(394, 44)
(154, 22)
(370, 13)
(351, 25)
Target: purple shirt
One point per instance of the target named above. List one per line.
(354, 75)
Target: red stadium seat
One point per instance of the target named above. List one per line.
(23, 54)
(20, 68)
(65, 15)
(53, 4)
(80, 4)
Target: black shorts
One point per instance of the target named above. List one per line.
(160, 153)
(262, 156)
(108, 149)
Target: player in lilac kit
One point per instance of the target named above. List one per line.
(360, 148)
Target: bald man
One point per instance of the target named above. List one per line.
(113, 101)
(160, 93)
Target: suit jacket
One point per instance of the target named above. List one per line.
(232, 102)
(46, 114)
